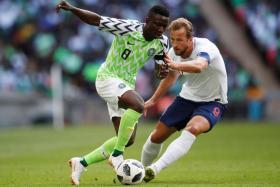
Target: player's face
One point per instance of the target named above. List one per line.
(182, 45)
(155, 26)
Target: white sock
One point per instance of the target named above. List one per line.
(176, 149)
(150, 151)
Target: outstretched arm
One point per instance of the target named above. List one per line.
(86, 16)
(163, 87)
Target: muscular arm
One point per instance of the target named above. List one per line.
(192, 66)
(86, 16)
(164, 85)
(162, 88)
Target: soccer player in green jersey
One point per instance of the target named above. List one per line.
(134, 44)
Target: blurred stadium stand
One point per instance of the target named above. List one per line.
(34, 37)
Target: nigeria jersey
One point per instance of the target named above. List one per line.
(129, 50)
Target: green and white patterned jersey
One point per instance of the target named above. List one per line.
(129, 50)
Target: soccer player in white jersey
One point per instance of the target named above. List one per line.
(200, 103)
(134, 44)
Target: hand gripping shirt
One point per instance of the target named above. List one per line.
(211, 83)
(129, 50)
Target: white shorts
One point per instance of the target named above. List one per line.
(110, 90)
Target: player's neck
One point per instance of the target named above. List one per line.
(189, 50)
(146, 35)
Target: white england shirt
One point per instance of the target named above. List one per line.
(211, 83)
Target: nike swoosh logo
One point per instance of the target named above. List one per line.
(130, 43)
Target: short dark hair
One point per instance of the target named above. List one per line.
(159, 9)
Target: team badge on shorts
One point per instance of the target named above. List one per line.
(216, 111)
(122, 85)
(151, 51)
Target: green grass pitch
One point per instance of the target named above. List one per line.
(232, 154)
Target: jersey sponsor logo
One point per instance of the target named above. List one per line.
(151, 51)
(122, 85)
(216, 111)
(130, 43)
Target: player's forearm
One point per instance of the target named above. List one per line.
(188, 67)
(193, 66)
(86, 16)
(164, 86)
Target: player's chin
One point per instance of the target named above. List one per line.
(177, 52)
(158, 35)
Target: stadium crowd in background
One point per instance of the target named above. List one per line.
(34, 37)
(262, 18)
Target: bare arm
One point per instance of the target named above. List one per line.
(86, 16)
(192, 66)
(163, 87)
